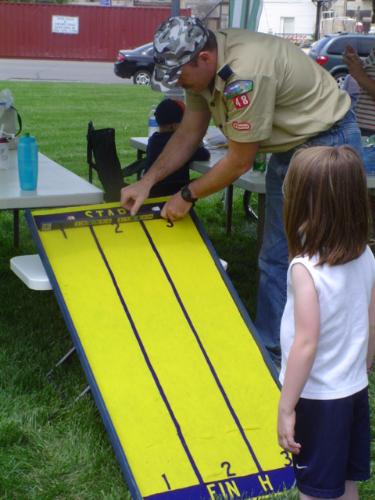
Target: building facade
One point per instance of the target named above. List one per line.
(288, 18)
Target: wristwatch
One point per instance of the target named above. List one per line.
(186, 195)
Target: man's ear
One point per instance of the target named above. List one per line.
(205, 56)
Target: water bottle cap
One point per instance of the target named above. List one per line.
(27, 138)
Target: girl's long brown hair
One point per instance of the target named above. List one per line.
(326, 204)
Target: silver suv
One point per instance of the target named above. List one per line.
(328, 51)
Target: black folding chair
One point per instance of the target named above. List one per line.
(102, 157)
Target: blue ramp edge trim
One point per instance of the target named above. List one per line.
(253, 486)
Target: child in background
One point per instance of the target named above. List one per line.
(168, 115)
(328, 325)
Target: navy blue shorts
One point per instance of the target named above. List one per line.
(335, 444)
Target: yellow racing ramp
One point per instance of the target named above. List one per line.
(182, 382)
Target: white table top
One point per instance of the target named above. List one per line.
(57, 186)
(249, 181)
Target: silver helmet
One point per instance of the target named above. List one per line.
(176, 42)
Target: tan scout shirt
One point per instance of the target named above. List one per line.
(292, 97)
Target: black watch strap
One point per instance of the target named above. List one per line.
(186, 195)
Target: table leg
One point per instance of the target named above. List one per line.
(249, 212)
(62, 360)
(16, 227)
(261, 214)
(229, 207)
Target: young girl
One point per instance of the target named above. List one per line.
(327, 350)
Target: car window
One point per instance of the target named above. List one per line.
(365, 45)
(337, 47)
(150, 51)
(317, 46)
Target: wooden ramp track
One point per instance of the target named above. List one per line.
(177, 372)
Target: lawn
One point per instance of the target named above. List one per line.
(52, 446)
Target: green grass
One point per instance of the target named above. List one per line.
(52, 447)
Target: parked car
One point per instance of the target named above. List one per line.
(305, 46)
(328, 51)
(137, 63)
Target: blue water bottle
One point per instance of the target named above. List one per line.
(27, 152)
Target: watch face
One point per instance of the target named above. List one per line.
(186, 195)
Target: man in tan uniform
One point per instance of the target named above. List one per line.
(264, 94)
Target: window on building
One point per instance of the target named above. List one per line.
(287, 24)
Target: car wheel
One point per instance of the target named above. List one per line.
(142, 77)
(340, 78)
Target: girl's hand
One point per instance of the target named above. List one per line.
(285, 429)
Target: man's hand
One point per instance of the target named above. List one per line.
(133, 196)
(349, 50)
(285, 430)
(175, 208)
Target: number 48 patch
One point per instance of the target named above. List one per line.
(241, 101)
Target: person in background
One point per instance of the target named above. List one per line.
(328, 325)
(364, 74)
(265, 95)
(168, 115)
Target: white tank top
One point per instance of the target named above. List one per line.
(344, 293)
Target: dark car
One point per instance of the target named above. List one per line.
(328, 51)
(137, 63)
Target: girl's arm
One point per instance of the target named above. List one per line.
(371, 339)
(302, 353)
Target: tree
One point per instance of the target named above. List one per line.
(319, 5)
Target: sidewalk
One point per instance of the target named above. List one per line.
(59, 71)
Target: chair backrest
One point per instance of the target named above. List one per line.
(102, 157)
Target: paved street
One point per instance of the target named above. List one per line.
(59, 71)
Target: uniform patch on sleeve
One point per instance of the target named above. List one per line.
(241, 101)
(241, 125)
(238, 88)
